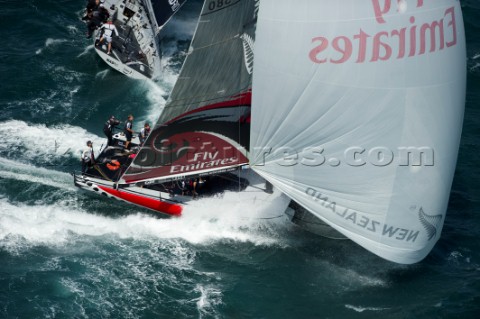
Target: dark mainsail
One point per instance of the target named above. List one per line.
(163, 10)
(205, 126)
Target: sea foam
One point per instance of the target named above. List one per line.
(41, 143)
(49, 43)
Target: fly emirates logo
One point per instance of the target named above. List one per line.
(411, 39)
(204, 160)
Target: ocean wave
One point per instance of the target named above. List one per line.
(64, 221)
(102, 74)
(159, 88)
(49, 43)
(105, 275)
(113, 274)
(54, 100)
(462, 260)
(156, 102)
(169, 67)
(474, 62)
(33, 174)
(352, 277)
(362, 309)
(87, 50)
(72, 29)
(210, 298)
(39, 143)
(341, 278)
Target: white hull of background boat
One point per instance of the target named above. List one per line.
(116, 63)
(135, 52)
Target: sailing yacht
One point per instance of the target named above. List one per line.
(135, 51)
(353, 109)
(199, 146)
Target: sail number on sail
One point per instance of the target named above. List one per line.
(408, 41)
(174, 4)
(218, 4)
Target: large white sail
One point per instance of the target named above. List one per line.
(357, 114)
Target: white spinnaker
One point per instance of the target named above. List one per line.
(304, 96)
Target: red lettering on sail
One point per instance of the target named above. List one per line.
(412, 40)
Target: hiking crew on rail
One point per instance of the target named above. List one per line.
(128, 131)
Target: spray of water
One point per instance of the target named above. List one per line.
(62, 222)
(37, 142)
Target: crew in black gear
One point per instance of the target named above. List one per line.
(92, 5)
(128, 130)
(108, 129)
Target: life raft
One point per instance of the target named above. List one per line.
(113, 165)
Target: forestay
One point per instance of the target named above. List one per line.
(357, 114)
(205, 126)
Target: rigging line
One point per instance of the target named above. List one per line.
(264, 218)
(239, 168)
(102, 173)
(268, 218)
(59, 165)
(238, 179)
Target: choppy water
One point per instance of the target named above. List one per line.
(66, 254)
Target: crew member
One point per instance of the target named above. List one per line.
(144, 133)
(98, 18)
(108, 129)
(88, 158)
(108, 30)
(183, 186)
(92, 11)
(92, 5)
(128, 130)
(194, 188)
(103, 14)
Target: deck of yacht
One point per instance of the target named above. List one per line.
(126, 50)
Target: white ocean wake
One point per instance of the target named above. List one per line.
(209, 221)
(155, 95)
(37, 141)
(37, 175)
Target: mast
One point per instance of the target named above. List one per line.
(205, 126)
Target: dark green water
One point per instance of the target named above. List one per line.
(66, 254)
